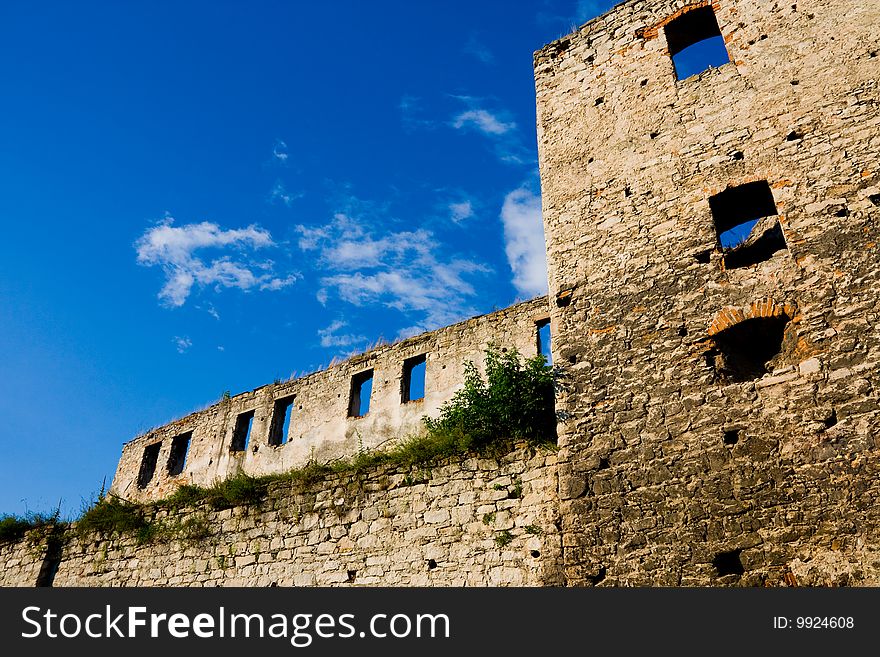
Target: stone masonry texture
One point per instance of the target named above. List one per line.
(673, 472)
(718, 406)
(466, 522)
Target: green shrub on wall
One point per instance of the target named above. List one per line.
(515, 401)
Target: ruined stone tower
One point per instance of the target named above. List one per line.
(720, 407)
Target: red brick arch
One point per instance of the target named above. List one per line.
(652, 31)
(765, 307)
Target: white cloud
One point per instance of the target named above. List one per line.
(524, 241)
(458, 212)
(181, 343)
(505, 138)
(482, 120)
(174, 248)
(279, 151)
(330, 337)
(405, 270)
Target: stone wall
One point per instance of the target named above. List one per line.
(21, 561)
(463, 522)
(321, 428)
(677, 466)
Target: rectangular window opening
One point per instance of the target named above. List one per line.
(148, 464)
(280, 427)
(361, 389)
(413, 383)
(177, 455)
(543, 333)
(747, 224)
(695, 43)
(242, 432)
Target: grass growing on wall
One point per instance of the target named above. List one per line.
(513, 402)
(13, 527)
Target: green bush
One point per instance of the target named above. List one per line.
(110, 514)
(515, 401)
(13, 527)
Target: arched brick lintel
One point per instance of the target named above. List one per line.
(765, 307)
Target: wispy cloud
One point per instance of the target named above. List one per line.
(572, 17)
(210, 309)
(412, 116)
(182, 344)
(494, 125)
(174, 249)
(331, 338)
(279, 151)
(409, 271)
(475, 48)
(279, 194)
(588, 9)
(524, 240)
(458, 212)
(482, 120)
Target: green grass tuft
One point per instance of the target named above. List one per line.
(112, 514)
(13, 527)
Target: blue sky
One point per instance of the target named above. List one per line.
(199, 197)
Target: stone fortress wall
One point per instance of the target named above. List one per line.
(323, 425)
(719, 417)
(470, 522)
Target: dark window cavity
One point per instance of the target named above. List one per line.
(747, 224)
(731, 436)
(413, 382)
(359, 400)
(280, 426)
(177, 455)
(148, 464)
(242, 433)
(543, 333)
(746, 349)
(728, 563)
(695, 43)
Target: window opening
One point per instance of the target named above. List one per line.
(413, 383)
(178, 452)
(242, 432)
(747, 224)
(746, 348)
(695, 43)
(361, 389)
(148, 464)
(280, 427)
(543, 333)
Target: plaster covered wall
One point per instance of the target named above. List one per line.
(670, 471)
(320, 426)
